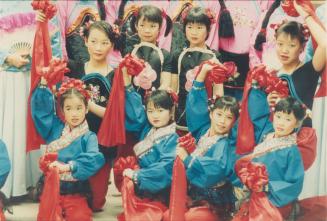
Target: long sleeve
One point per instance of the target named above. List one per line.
(208, 170)
(47, 123)
(90, 161)
(5, 163)
(285, 190)
(197, 114)
(259, 113)
(156, 166)
(135, 116)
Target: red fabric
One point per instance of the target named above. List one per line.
(178, 193)
(255, 177)
(124, 150)
(268, 81)
(220, 73)
(288, 7)
(136, 209)
(49, 208)
(313, 209)
(99, 186)
(75, 208)
(307, 143)
(245, 133)
(45, 160)
(55, 72)
(2, 215)
(41, 57)
(120, 165)
(187, 142)
(112, 132)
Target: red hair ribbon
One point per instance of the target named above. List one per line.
(76, 84)
(163, 13)
(46, 7)
(211, 15)
(173, 95)
(187, 142)
(55, 72)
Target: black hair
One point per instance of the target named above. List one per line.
(115, 38)
(226, 103)
(152, 14)
(197, 15)
(69, 94)
(294, 29)
(102, 10)
(291, 105)
(160, 99)
(226, 26)
(261, 37)
(120, 16)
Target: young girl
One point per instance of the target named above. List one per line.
(302, 78)
(146, 23)
(77, 147)
(279, 153)
(196, 28)
(157, 141)
(209, 167)
(97, 74)
(262, 43)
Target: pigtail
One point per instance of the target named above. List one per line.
(102, 10)
(121, 11)
(261, 37)
(169, 23)
(226, 27)
(120, 41)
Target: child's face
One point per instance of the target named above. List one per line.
(222, 120)
(158, 117)
(147, 31)
(74, 111)
(98, 45)
(288, 49)
(196, 34)
(284, 123)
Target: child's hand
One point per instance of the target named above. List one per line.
(273, 98)
(40, 16)
(181, 152)
(18, 59)
(300, 9)
(62, 167)
(126, 76)
(129, 173)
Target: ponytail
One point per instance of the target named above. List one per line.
(102, 10)
(226, 27)
(261, 37)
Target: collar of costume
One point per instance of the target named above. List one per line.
(67, 137)
(154, 134)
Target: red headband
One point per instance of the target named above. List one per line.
(73, 83)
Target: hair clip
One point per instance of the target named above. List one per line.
(306, 32)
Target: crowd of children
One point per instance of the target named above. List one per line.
(143, 74)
